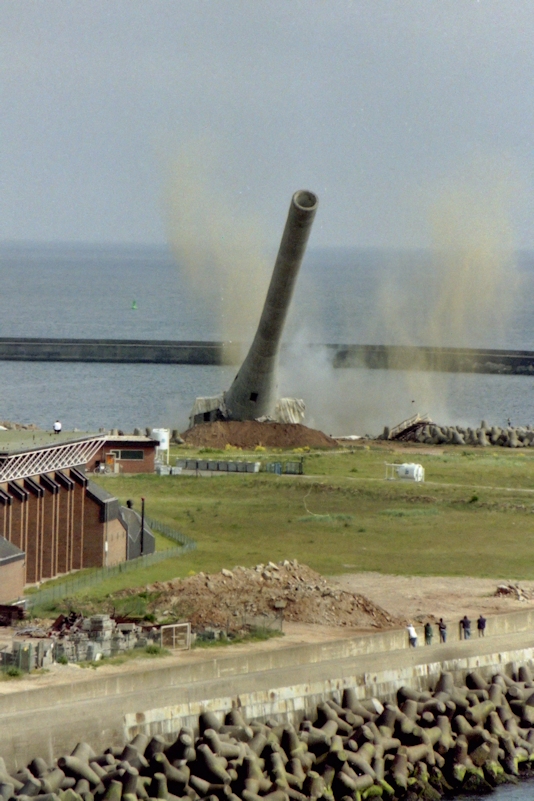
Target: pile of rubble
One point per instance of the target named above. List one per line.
(513, 590)
(424, 431)
(287, 589)
(77, 639)
(249, 434)
(99, 636)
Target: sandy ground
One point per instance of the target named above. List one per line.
(416, 597)
(413, 598)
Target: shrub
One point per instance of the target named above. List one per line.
(154, 650)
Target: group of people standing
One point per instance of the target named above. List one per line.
(465, 630)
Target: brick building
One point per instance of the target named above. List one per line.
(12, 571)
(125, 453)
(53, 519)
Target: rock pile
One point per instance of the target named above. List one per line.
(454, 740)
(222, 600)
(11, 426)
(432, 434)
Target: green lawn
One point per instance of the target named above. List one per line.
(471, 517)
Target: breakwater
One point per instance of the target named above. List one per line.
(462, 734)
(199, 352)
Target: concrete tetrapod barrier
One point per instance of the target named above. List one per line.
(456, 739)
(484, 436)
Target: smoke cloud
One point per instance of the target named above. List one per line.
(461, 294)
(220, 249)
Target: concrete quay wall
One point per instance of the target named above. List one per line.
(287, 683)
(117, 350)
(149, 351)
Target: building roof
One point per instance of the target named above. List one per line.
(9, 552)
(109, 505)
(28, 453)
(14, 441)
(134, 439)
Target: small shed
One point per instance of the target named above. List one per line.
(125, 453)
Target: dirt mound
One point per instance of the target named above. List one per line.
(228, 599)
(249, 433)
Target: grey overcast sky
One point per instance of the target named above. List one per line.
(380, 106)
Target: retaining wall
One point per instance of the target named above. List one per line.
(288, 683)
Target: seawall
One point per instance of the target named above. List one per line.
(149, 351)
(287, 683)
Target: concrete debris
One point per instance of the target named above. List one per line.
(513, 590)
(220, 600)
(289, 410)
(100, 636)
(28, 655)
(78, 639)
(9, 425)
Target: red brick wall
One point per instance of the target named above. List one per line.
(34, 545)
(78, 526)
(116, 539)
(64, 530)
(19, 524)
(60, 531)
(12, 580)
(94, 539)
(50, 534)
(147, 465)
(5, 521)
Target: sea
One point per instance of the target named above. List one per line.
(343, 295)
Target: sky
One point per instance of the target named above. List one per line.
(387, 109)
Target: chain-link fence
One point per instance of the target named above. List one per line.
(90, 578)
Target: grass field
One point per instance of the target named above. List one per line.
(473, 516)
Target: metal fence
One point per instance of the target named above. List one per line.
(176, 636)
(85, 579)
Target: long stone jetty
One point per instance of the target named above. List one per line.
(200, 352)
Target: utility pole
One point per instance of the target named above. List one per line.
(142, 526)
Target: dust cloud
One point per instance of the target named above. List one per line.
(220, 249)
(462, 293)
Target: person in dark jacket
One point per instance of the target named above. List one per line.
(465, 627)
(442, 628)
(481, 626)
(428, 633)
